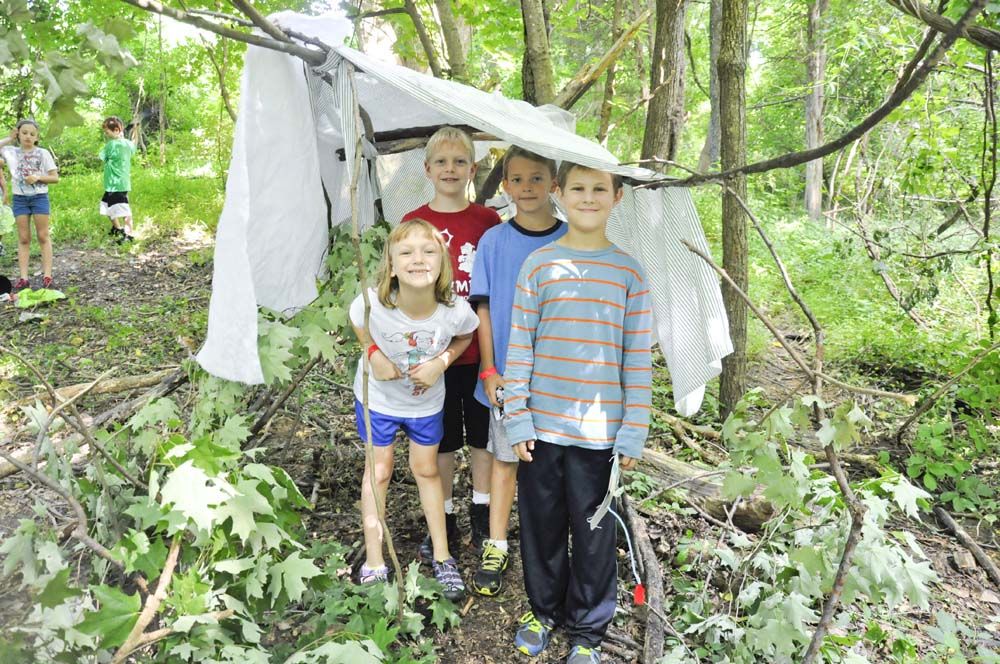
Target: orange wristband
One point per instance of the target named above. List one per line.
(486, 373)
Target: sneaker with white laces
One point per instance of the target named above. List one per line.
(488, 579)
(447, 574)
(532, 636)
(583, 655)
(368, 575)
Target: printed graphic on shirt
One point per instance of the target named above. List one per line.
(421, 347)
(446, 234)
(29, 163)
(466, 257)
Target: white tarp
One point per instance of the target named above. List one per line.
(273, 230)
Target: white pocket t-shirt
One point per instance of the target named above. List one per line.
(408, 342)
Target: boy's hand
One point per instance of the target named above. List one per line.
(490, 384)
(524, 449)
(383, 368)
(627, 462)
(427, 373)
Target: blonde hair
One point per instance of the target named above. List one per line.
(388, 285)
(449, 135)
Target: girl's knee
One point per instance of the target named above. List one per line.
(424, 467)
(383, 472)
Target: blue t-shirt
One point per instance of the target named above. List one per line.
(501, 251)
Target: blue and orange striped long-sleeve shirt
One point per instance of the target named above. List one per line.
(578, 362)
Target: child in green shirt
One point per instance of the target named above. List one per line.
(117, 157)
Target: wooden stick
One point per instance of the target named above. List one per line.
(963, 537)
(652, 649)
(132, 641)
(908, 399)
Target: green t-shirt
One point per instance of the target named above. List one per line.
(117, 157)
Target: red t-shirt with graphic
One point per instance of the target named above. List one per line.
(461, 230)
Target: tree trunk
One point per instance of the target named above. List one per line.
(537, 75)
(609, 79)
(163, 96)
(816, 71)
(452, 39)
(665, 116)
(710, 151)
(732, 113)
(640, 57)
(425, 39)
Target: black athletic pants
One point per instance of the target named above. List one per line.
(556, 493)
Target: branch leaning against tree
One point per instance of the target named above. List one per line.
(900, 94)
(982, 37)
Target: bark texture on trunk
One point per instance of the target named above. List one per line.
(665, 116)
(537, 76)
(710, 151)
(425, 39)
(816, 71)
(732, 107)
(609, 79)
(452, 39)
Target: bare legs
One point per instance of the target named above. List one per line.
(24, 243)
(503, 483)
(424, 465)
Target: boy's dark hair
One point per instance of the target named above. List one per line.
(516, 151)
(567, 166)
(114, 123)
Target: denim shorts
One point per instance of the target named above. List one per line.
(25, 205)
(425, 431)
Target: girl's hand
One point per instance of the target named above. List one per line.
(31, 179)
(427, 373)
(383, 368)
(490, 384)
(627, 463)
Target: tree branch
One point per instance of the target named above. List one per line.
(900, 94)
(982, 37)
(132, 641)
(798, 359)
(311, 56)
(270, 29)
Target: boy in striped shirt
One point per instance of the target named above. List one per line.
(577, 399)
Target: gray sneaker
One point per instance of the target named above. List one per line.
(447, 574)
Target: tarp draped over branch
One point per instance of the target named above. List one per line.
(295, 135)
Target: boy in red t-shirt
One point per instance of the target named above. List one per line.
(450, 164)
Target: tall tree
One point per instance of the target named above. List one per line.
(609, 79)
(710, 150)
(732, 108)
(452, 39)
(665, 117)
(537, 75)
(816, 72)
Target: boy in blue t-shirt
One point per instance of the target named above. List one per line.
(528, 179)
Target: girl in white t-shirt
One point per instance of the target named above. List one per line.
(415, 329)
(32, 170)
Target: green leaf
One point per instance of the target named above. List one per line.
(289, 574)
(274, 349)
(242, 507)
(115, 619)
(58, 590)
(158, 411)
(194, 494)
(737, 484)
(233, 433)
(319, 343)
(19, 551)
(906, 496)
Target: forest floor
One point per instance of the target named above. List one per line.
(138, 310)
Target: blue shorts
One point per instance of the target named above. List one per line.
(422, 430)
(25, 205)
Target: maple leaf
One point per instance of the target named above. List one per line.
(242, 507)
(194, 494)
(289, 574)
